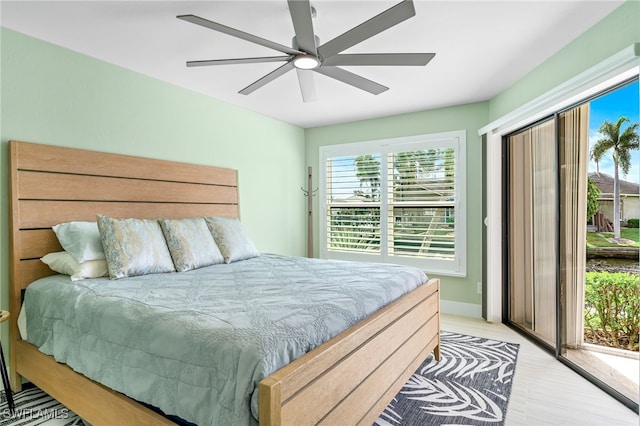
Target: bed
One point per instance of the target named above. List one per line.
(349, 379)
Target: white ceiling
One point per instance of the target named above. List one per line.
(482, 48)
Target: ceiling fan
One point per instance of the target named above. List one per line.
(306, 54)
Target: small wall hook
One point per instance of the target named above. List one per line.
(306, 192)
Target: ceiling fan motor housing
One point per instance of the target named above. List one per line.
(308, 61)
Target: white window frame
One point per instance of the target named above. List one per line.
(455, 140)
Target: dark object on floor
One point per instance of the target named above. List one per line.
(4, 315)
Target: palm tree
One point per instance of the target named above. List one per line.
(368, 173)
(622, 144)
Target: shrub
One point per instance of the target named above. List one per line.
(593, 192)
(612, 306)
(633, 223)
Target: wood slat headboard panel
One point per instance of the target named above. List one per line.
(68, 186)
(37, 214)
(48, 158)
(51, 185)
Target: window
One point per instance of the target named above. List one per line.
(396, 200)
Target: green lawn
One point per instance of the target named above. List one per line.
(599, 239)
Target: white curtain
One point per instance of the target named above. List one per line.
(533, 229)
(545, 228)
(573, 157)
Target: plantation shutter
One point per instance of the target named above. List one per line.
(422, 203)
(396, 201)
(353, 213)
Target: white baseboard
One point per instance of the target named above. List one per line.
(461, 308)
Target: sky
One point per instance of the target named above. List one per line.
(624, 101)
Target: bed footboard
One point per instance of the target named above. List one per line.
(352, 378)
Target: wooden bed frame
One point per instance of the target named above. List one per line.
(348, 380)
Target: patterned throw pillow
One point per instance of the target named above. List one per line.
(231, 238)
(134, 247)
(190, 243)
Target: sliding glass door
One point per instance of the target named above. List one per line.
(545, 238)
(616, 370)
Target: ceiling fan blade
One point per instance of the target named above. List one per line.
(239, 34)
(380, 59)
(237, 61)
(307, 85)
(385, 20)
(352, 79)
(267, 78)
(302, 19)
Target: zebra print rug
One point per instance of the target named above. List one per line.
(34, 408)
(470, 385)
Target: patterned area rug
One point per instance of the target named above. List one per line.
(470, 385)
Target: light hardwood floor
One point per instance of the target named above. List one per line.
(546, 392)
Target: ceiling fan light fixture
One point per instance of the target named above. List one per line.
(306, 62)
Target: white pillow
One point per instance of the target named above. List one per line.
(81, 240)
(63, 263)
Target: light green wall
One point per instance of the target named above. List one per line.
(465, 117)
(55, 96)
(616, 32)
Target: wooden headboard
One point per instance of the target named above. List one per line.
(51, 185)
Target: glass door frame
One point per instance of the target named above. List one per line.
(556, 351)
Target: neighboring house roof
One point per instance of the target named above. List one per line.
(604, 182)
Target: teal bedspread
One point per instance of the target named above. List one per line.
(196, 344)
